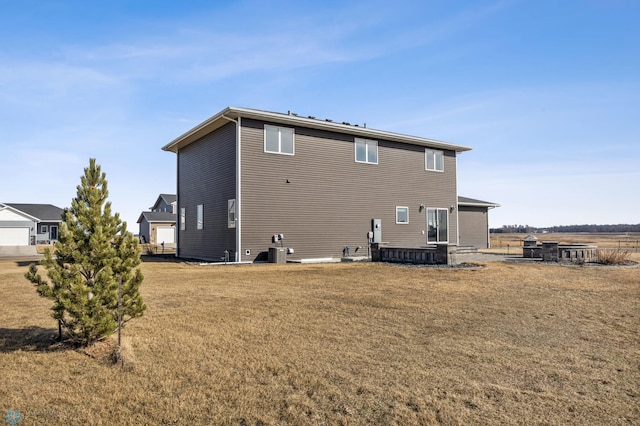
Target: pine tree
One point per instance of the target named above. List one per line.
(93, 253)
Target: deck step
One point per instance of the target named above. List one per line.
(466, 250)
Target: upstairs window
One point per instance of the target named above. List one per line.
(278, 140)
(183, 217)
(366, 151)
(434, 160)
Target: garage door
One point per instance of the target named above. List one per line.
(166, 234)
(14, 236)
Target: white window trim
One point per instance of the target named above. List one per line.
(231, 204)
(434, 153)
(279, 128)
(183, 218)
(407, 209)
(200, 217)
(437, 209)
(44, 229)
(366, 150)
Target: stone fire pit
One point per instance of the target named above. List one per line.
(552, 251)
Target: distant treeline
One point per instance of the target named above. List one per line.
(526, 229)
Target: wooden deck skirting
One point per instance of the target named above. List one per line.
(439, 254)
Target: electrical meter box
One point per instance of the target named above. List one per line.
(376, 228)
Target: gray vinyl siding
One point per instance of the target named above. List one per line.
(18, 224)
(144, 230)
(330, 199)
(206, 175)
(474, 226)
(164, 207)
(47, 235)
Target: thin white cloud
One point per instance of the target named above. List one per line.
(191, 50)
(123, 97)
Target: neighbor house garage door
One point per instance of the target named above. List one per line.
(14, 236)
(166, 234)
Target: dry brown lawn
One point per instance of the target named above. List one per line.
(340, 344)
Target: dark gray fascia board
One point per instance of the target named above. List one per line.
(470, 202)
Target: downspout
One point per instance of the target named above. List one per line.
(238, 192)
(178, 217)
(457, 206)
(238, 123)
(488, 230)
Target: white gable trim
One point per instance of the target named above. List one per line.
(8, 213)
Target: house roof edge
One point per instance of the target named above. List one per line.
(232, 113)
(471, 202)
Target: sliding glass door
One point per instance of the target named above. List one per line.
(437, 225)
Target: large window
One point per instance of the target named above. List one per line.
(437, 225)
(402, 215)
(434, 160)
(200, 217)
(183, 217)
(278, 140)
(231, 213)
(366, 151)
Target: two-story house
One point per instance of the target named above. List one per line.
(158, 226)
(246, 175)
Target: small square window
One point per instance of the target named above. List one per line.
(366, 151)
(44, 229)
(402, 215)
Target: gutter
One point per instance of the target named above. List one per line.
(490, 206)
(238, 122)
(310, 122)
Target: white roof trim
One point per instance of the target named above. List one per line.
(479, 204)
(218, 120)
(19, 212)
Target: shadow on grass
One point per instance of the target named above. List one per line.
(32, 339)
(160, 258)
(26, 263)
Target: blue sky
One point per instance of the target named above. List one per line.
(546, 92)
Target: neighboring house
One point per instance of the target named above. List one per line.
(29, 224)
(165, 203)
(474, 222)
(158, 226)
(244, 175)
